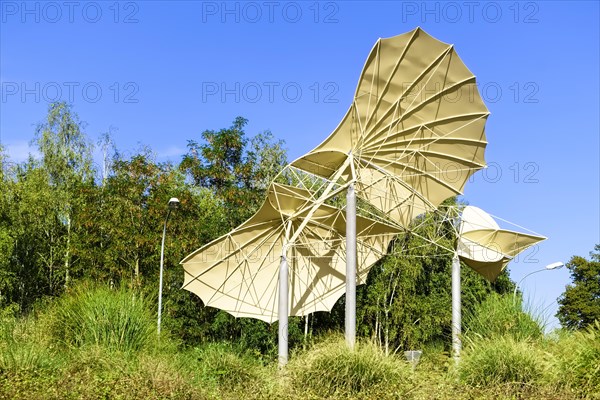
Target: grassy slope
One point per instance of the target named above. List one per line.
(95, 343)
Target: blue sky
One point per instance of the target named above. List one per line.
(162, 72)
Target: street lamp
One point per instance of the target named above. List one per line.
(172, 205)
(556, 265)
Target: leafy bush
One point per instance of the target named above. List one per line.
(120, 319)
(502, 316)
(501, 360)
(332, 369)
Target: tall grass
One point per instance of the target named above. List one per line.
(577, 360)
(502, 345)
(332, 369)
(116, 319)
(229, 372)
(24, 347)
(96, 342)
(501, 360)
(503, 316)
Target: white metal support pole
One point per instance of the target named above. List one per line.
(350, 326)
(283, 311)
(456, 312)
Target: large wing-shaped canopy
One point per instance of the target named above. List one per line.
(485, 247)
(238, 272)
(414, 131)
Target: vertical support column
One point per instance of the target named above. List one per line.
(350, 325)
(283, 311)
(456, 312)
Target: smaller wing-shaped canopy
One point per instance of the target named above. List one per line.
(239, 271)
(486, 248)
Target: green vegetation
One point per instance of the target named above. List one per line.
(64, 221)
(503, 316)
(580, 303)
(122, 360)
(119, 320)
(79, 278)
(577, 360)
(330, 368)
(502, 345)
(406, 301)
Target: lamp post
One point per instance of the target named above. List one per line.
(556, 265)
(172, 205)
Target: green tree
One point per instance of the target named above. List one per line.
(580, 303)
(230, 175)
(130, 209)
(237, 171)
(8, 277)
(67, 161)
(36, 234)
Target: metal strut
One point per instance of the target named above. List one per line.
(456, 312)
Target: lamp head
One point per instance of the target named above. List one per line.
(173, 203)
(555, 265)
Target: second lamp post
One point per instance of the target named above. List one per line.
(172, 205)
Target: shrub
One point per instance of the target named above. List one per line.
(501, 360)
(332, 369)
(119, 319)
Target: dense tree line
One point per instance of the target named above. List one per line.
(62, 220)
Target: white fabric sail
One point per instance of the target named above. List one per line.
(411, 138)
(414, 131)
(486, 248)
(238, 272)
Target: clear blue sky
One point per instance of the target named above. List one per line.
(162, 72)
